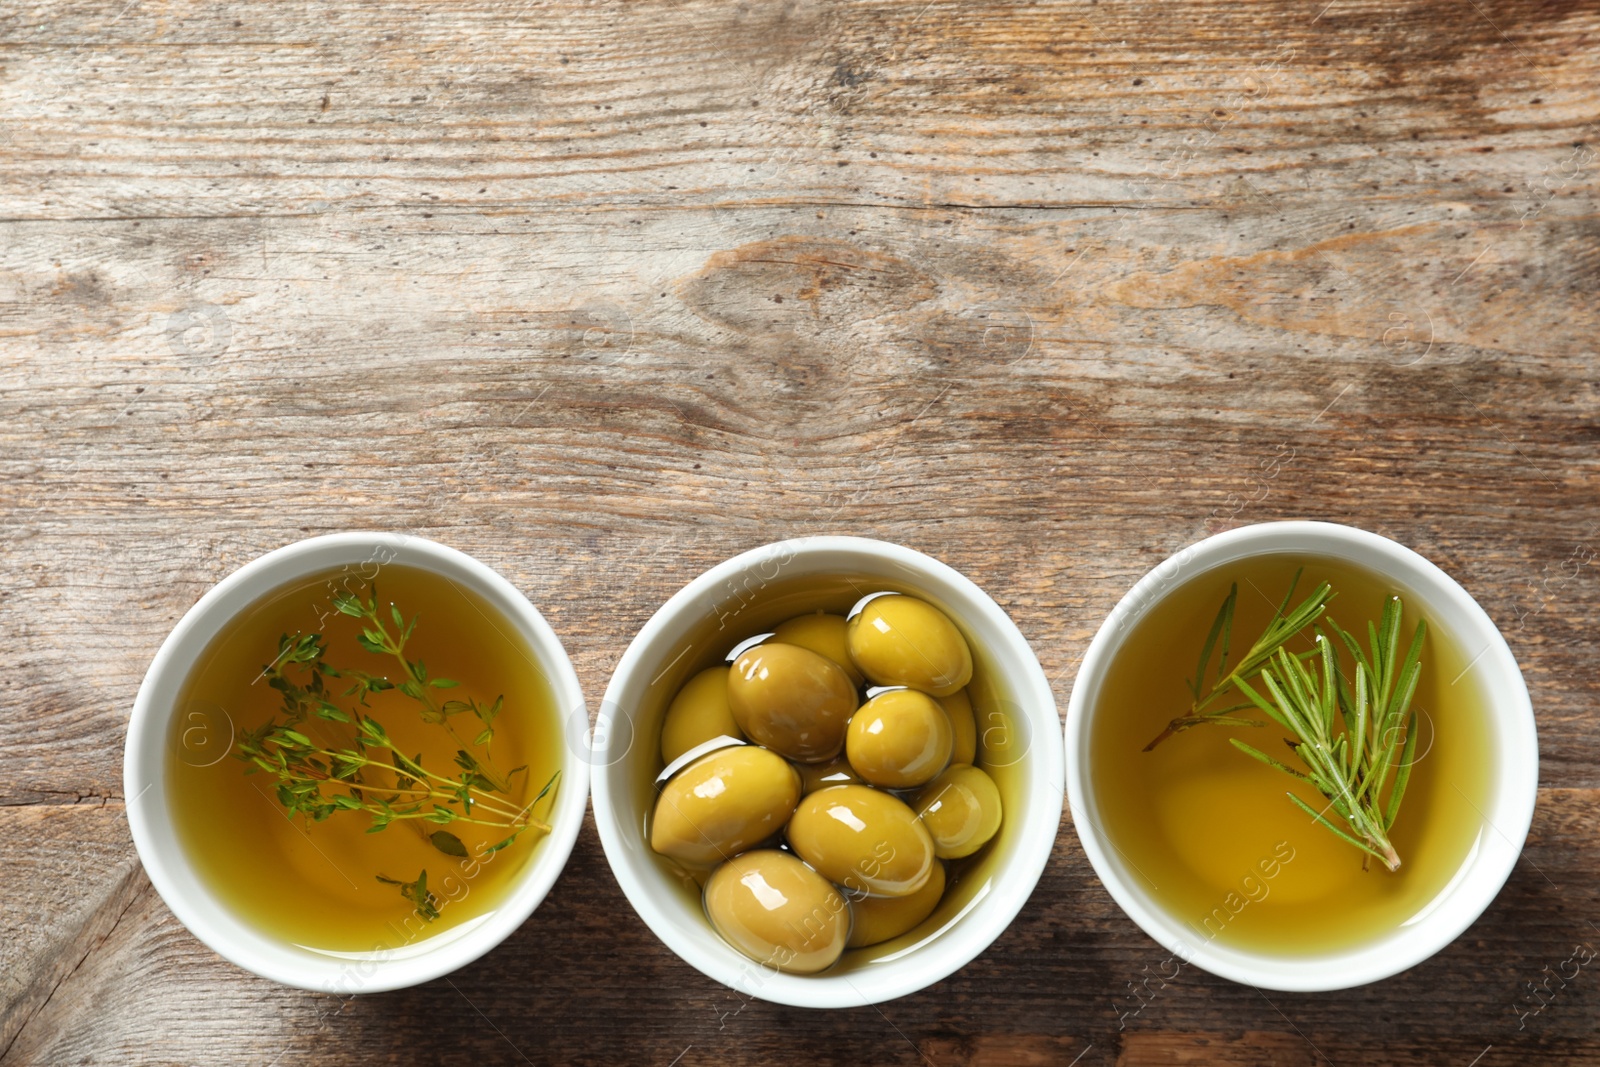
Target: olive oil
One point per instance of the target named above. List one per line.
(316, 884)
(1209, 834)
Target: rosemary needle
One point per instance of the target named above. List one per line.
(1353, 731)
(1352, 767)
(1284, 625)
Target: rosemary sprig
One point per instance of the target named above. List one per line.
(362, 769)
(1351, 767)
(1284, 625)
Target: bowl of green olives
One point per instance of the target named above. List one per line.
(824, 773)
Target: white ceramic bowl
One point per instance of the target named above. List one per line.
(150, 731)
(1512, 744)
(750, 594)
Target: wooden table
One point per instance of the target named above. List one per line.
(604, 293)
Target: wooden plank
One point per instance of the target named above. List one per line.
(70, 874)
(609, 104)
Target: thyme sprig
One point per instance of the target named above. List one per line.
(1352, 767)
(1283, 626)
(361, 768)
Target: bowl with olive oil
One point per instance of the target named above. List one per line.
(824, 774)
(357, 763)
(1301, 756)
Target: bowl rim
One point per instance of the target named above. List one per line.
(1511, 806)
(144, 767)
(971, 932)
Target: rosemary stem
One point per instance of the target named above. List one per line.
(1197, 715)
(1283, 626)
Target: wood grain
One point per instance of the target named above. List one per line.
(605, 293)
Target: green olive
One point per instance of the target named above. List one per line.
(778, 911)
(863, 839)
(724, 803)
(792, 700)
(961, 810)
(899, 739)
(698, 713)
(823, 634)
(900, 640)
(815, 776)
(881, 918)
(963, 724)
